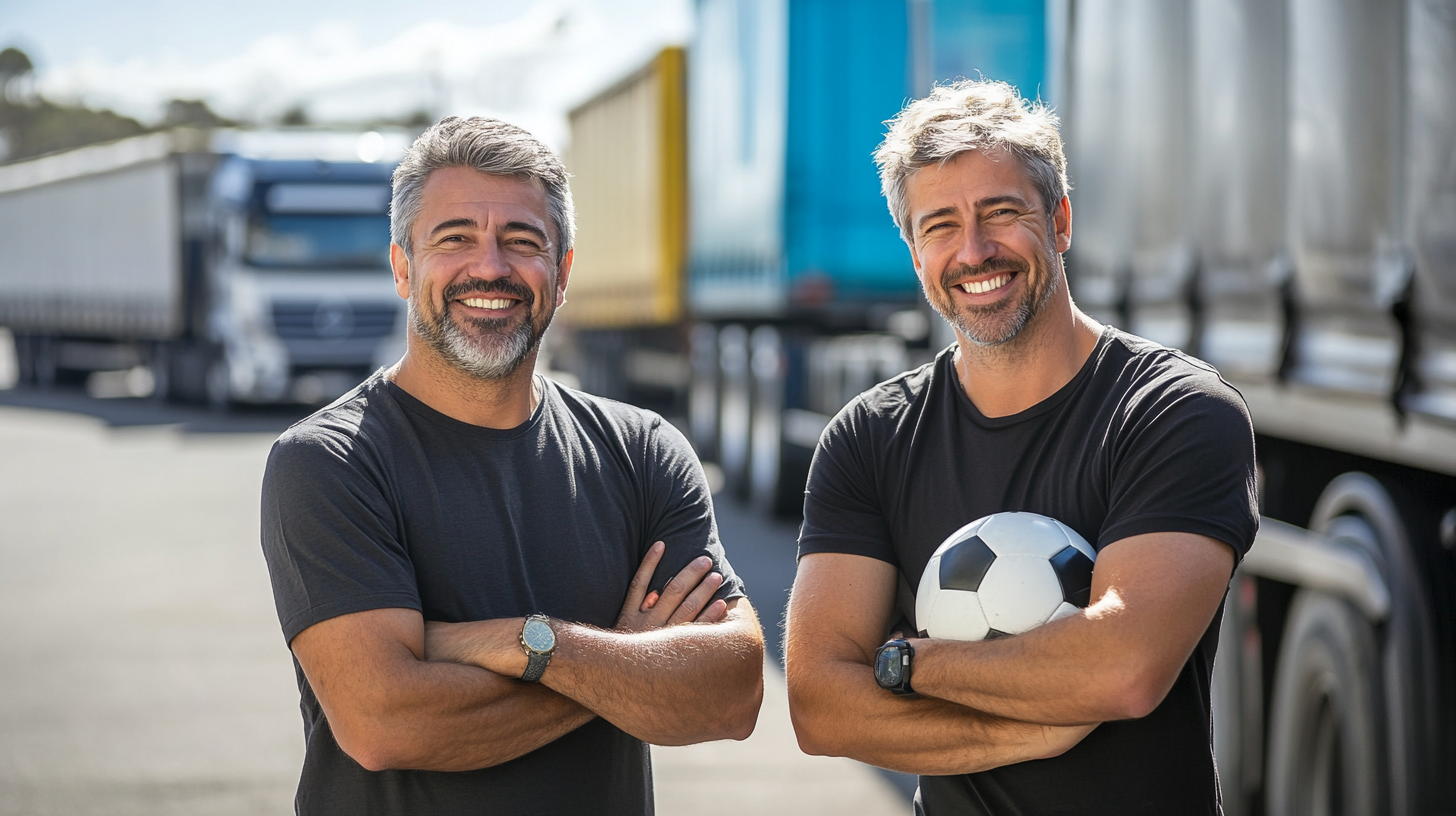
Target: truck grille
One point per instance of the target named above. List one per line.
(333, 320)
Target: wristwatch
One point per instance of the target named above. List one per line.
(538, 640)
(892, 666)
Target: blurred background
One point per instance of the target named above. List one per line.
(193, 254)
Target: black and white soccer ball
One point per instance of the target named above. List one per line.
(1003, 575)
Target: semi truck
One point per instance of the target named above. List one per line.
(230, 266)
(1269, 185)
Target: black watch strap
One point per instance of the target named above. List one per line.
(893, 663)
(535, 666)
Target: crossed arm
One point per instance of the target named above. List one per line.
(403, 693)
(991, 703)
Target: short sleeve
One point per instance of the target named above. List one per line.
(1185, 463)
(842, 512)
(329, 535)
(680, 510)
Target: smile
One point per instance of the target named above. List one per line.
(488, 303)
(989, 285)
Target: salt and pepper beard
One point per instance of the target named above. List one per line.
(483, 348)
(998, 323)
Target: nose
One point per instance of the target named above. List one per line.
(976, 245)
(488, 262)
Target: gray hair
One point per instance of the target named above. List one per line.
(970, 115)
(490, 146)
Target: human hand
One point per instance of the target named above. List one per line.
(687, 598)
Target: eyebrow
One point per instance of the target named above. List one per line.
(452, 224)
(523, 226)
(510, 226)
(1005, 199)
(920, 222)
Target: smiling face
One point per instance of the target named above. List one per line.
(483, 283)
(983, 245)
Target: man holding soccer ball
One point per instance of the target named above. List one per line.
(1143, 451)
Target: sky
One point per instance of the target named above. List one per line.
(527, 61)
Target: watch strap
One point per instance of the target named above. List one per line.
(536, 661)
(535, 665)
(905, 654)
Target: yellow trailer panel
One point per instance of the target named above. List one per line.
(628, 162)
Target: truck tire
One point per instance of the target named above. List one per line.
(159, 362)
(24, 359)
(219, 386)
(1238, 707)
(735, 408)
(1326, 728)
(770, 485)
(703, 394)
(1359, 509)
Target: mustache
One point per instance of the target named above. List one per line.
(499, 286)
(986, 267)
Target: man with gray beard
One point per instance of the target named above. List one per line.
(1142, 450)
(497, 590)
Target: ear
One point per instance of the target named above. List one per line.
(399, 262)
(1062, 224)
(563, 272)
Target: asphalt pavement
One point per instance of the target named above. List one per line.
(141, 662)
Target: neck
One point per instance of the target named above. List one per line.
(502, 404)
(1046, 355)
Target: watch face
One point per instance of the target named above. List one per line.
(538, 636)
(888, 667)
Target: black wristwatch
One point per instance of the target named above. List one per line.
(538, 640)
(892, 666)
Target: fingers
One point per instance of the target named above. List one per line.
(637, 589)
(680, 586)
(686, 598)
(699, 599)
(716, 611)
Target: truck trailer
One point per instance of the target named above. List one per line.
(232, 266)
(1270, 186)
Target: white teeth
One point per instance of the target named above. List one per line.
(977, 288)
(488, 303)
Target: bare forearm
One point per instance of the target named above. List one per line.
(671, 686)
(449, 717)
(1042, 677)
(838, 710)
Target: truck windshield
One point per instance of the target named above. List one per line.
(319, 241)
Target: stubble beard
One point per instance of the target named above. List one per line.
(482, 348)
(997, 324)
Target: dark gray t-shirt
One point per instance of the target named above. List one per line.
(1144, 439)
(379, 501)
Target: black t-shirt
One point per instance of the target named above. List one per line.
(1143, 439)
(379, 501)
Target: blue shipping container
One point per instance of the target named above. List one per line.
(788, 99)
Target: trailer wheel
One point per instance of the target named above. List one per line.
(44, 365)
(772, 487)
(1361, 510)
(24, 359)
(159, 361)
(735, 408)
(1325, 745)
(219, 386)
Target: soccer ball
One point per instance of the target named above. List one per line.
(1003, 575)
